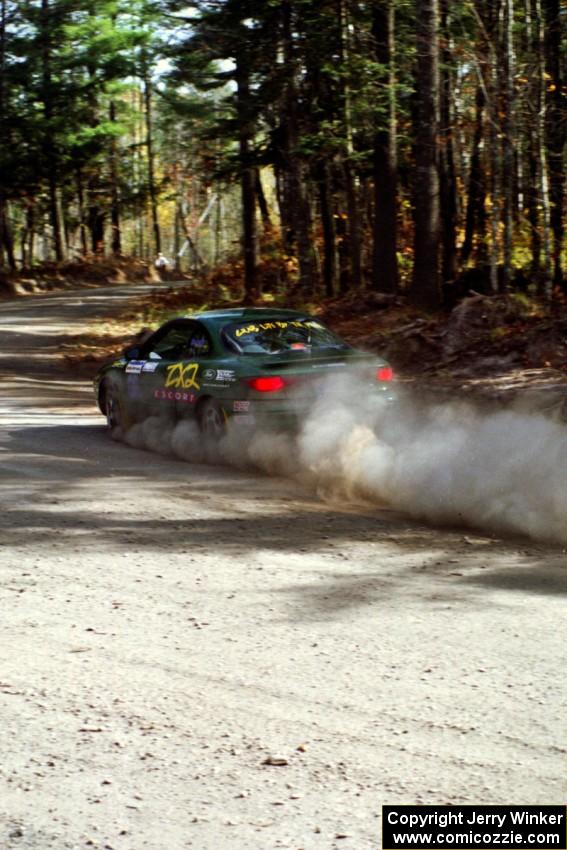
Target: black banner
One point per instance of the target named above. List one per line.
(464, 827)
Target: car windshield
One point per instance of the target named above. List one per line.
(273, 336)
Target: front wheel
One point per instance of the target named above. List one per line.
(212, 420)
(113, 409)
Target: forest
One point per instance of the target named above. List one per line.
(413, 146)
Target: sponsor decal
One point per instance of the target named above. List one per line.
(241, 405)
(224, 375)
(175, 395)
(150, 366)
(268, 326)
(246, 419)
(134, 367)
(183, 376)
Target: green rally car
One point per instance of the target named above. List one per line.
(242, 366)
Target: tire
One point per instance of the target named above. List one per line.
(212, 420)
(113, 409)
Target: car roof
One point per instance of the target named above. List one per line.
(234, 314)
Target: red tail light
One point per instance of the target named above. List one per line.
(385, 373)
(271, 384)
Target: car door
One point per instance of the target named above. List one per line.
(170, 379)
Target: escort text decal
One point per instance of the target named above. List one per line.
(173, 395)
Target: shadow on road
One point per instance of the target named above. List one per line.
(34, 329)
(69, 482)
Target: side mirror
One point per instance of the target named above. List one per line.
(131, 353)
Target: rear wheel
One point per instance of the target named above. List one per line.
(211, 418)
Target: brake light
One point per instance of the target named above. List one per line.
(385, 373)
(271, 384)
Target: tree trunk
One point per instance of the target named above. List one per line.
(95, 220)
(49, 152)
(177, 235)
(6, 243)
(385, 261)
(283, 193)
(139, 171)
(556, 130)
(329, 231)
(350, 180)
(29, 251)
(508, 140)
(532, 152)
(323, 96)
(116, 239)
(476, 186)
(494, 117)
(54, 216)
(533, 208)
(148, 117)
(544, 200)
(425, 289)
(247, 180)
(81, 209)
(262, 202)
(447, 156)
(198, 263)
(294, 161)
(218, 227)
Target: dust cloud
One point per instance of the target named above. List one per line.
(451, 463)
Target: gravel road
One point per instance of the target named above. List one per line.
(199, 657)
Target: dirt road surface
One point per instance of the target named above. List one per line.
(170, 629)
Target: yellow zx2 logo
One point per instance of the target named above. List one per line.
(182, 376)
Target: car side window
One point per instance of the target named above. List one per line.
(171, 344)
(180, 342)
